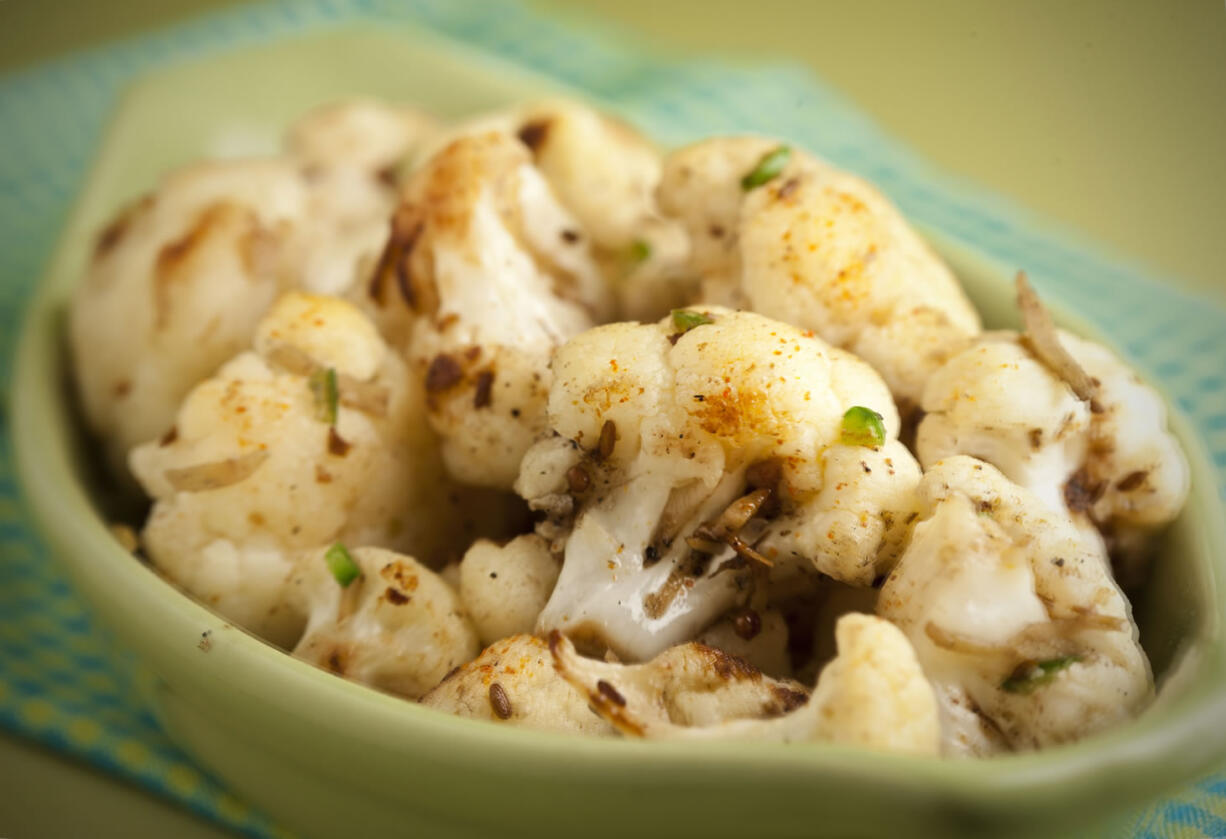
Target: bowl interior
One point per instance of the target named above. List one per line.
(237, 103)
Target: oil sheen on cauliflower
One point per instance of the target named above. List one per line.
(818, 248)
(255, 470)
(693, 459)
(396, 627)
(482, 279)
(1109, 461)
(1014, 616)
(873, 694)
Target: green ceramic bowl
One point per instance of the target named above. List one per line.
(331, 758)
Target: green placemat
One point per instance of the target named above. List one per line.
(59, 683)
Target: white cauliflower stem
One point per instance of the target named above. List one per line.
(1013, 615)
(691, 455)
(254, 470)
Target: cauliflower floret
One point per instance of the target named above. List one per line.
(396, 627)
(513, 682)
(179, 279)
(1108, 461)
(691, 454)
(482, 282)
(254, 470)
(873, 694)
(175, 287)
(605, 174)
(684, 686)
(350, 154)
(504, 587)
(821, 249)
(362, 134)
(1016, 619)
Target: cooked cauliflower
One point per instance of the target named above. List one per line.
(1013, 615)
(690, 455)
(1108, 460)
(605, 174)
(350, 154)
(254, 471)
(873, 694)
(396, 627)
(819, 248)
(504, 587)
(175, 287)
(482, 282)
(360, 134)
(685, 685)
(513, 682)
(179, 279)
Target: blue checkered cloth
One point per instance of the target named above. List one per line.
(60, 682)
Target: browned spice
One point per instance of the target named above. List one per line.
(611, 693)
(577, 479)
(170, 436)
(747, 623)
(532, 134)
(570, 236)
(500, 702)
(485, 383)
(1132, 481)
(608, 439)
(444, 372)
(1082, 491)
(336, 444)
(396, 597)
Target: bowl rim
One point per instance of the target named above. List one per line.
(163, 624)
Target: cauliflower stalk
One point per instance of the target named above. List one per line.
(1015, 617)
(694, 458)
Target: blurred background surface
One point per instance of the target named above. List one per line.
(1108, 116)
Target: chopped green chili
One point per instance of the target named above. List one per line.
(685, 320)
(862, 427)
(327, 396)
(341, 564)
(768, 167)
(1034, 674)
